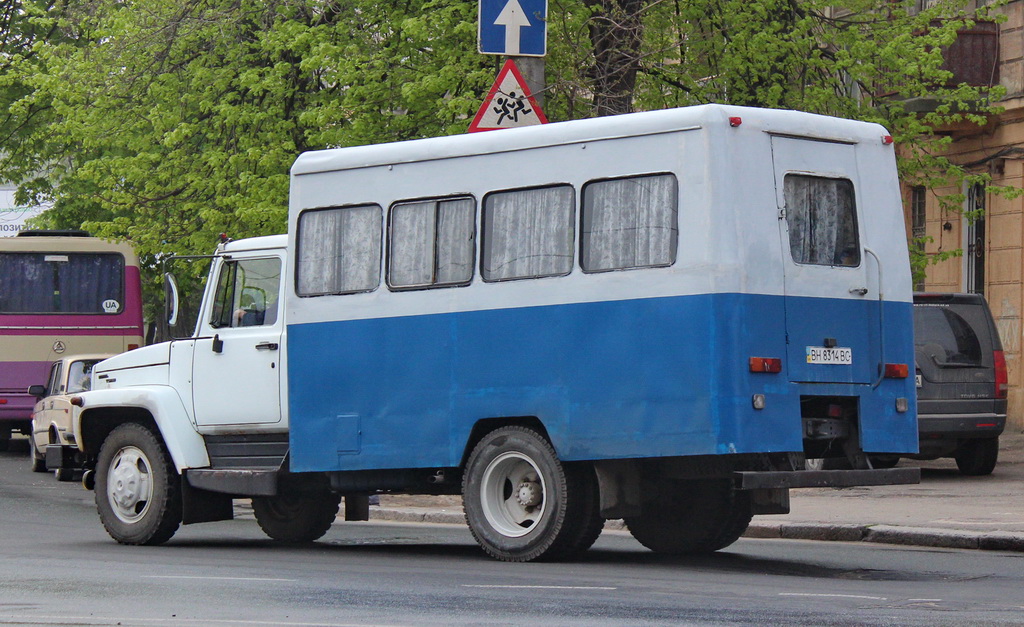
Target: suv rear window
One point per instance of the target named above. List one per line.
(945, 336)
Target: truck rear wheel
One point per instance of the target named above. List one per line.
(523, 504)
(138, 491)
(977, 457)
(298, 519)
(693, 517)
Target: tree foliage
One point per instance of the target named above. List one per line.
(166, 122)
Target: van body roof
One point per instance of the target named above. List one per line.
(774, 121)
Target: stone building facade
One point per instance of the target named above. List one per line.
(993, 246)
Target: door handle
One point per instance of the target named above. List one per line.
(860, 291)
(266, 346)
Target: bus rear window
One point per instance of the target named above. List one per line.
(822, 220)
(59, 283)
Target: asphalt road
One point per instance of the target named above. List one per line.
(58, 567)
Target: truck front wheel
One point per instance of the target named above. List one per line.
(297, 518)
(138, 491)
(523, 504)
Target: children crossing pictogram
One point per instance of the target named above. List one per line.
(509, 103)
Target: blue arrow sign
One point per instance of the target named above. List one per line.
(515, 28)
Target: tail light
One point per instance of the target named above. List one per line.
(1002, 382)
(765, 364)
(897, 371)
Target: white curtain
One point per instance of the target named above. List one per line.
(339, 250)
(822, 220)
(630, 223)
(528, 233)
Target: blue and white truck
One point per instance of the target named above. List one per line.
(657, 317)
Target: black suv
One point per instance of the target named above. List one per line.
(961, 380)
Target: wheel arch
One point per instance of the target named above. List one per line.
(485, 425)
(160, 410)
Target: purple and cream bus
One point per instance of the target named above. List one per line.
(61, 293)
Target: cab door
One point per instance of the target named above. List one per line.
(830, 278)
(236, 367)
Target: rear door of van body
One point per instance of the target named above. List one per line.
(830, 280)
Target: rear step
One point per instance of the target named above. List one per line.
(759, 480)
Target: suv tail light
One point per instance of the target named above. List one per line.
(1002, 382)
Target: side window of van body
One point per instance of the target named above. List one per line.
(629, 223)
(431, 243)
(528, 233)
(339, 250)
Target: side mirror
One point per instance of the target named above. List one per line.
(171, 299)
(38, 391)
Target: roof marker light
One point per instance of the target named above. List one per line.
(887, 139)
(735, 121)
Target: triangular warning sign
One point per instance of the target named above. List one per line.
(509, 104)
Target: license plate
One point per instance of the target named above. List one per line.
(833, 356)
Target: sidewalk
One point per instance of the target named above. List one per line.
(945, 510)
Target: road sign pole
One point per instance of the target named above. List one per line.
(532, 69)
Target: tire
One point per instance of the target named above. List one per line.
(882, 462)
(38, 461)
(296, 519)
(586, 521)
(5, 443)
(522, 504)
(138, 491)
(826, 463)
(975, 458)
(693, 518)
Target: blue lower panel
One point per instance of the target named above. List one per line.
(642, 378)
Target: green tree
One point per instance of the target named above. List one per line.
(179, 120)
(166, 122)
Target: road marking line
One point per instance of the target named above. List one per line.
(833, 596)
(215, 578)
(109, 620)
(540, 587)
(931, 600)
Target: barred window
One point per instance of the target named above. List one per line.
(917, 211)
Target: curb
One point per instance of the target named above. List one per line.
(880, 534)
(891, 534)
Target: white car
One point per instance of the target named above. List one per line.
(52, 444)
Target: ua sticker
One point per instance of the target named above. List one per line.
(111, 306)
